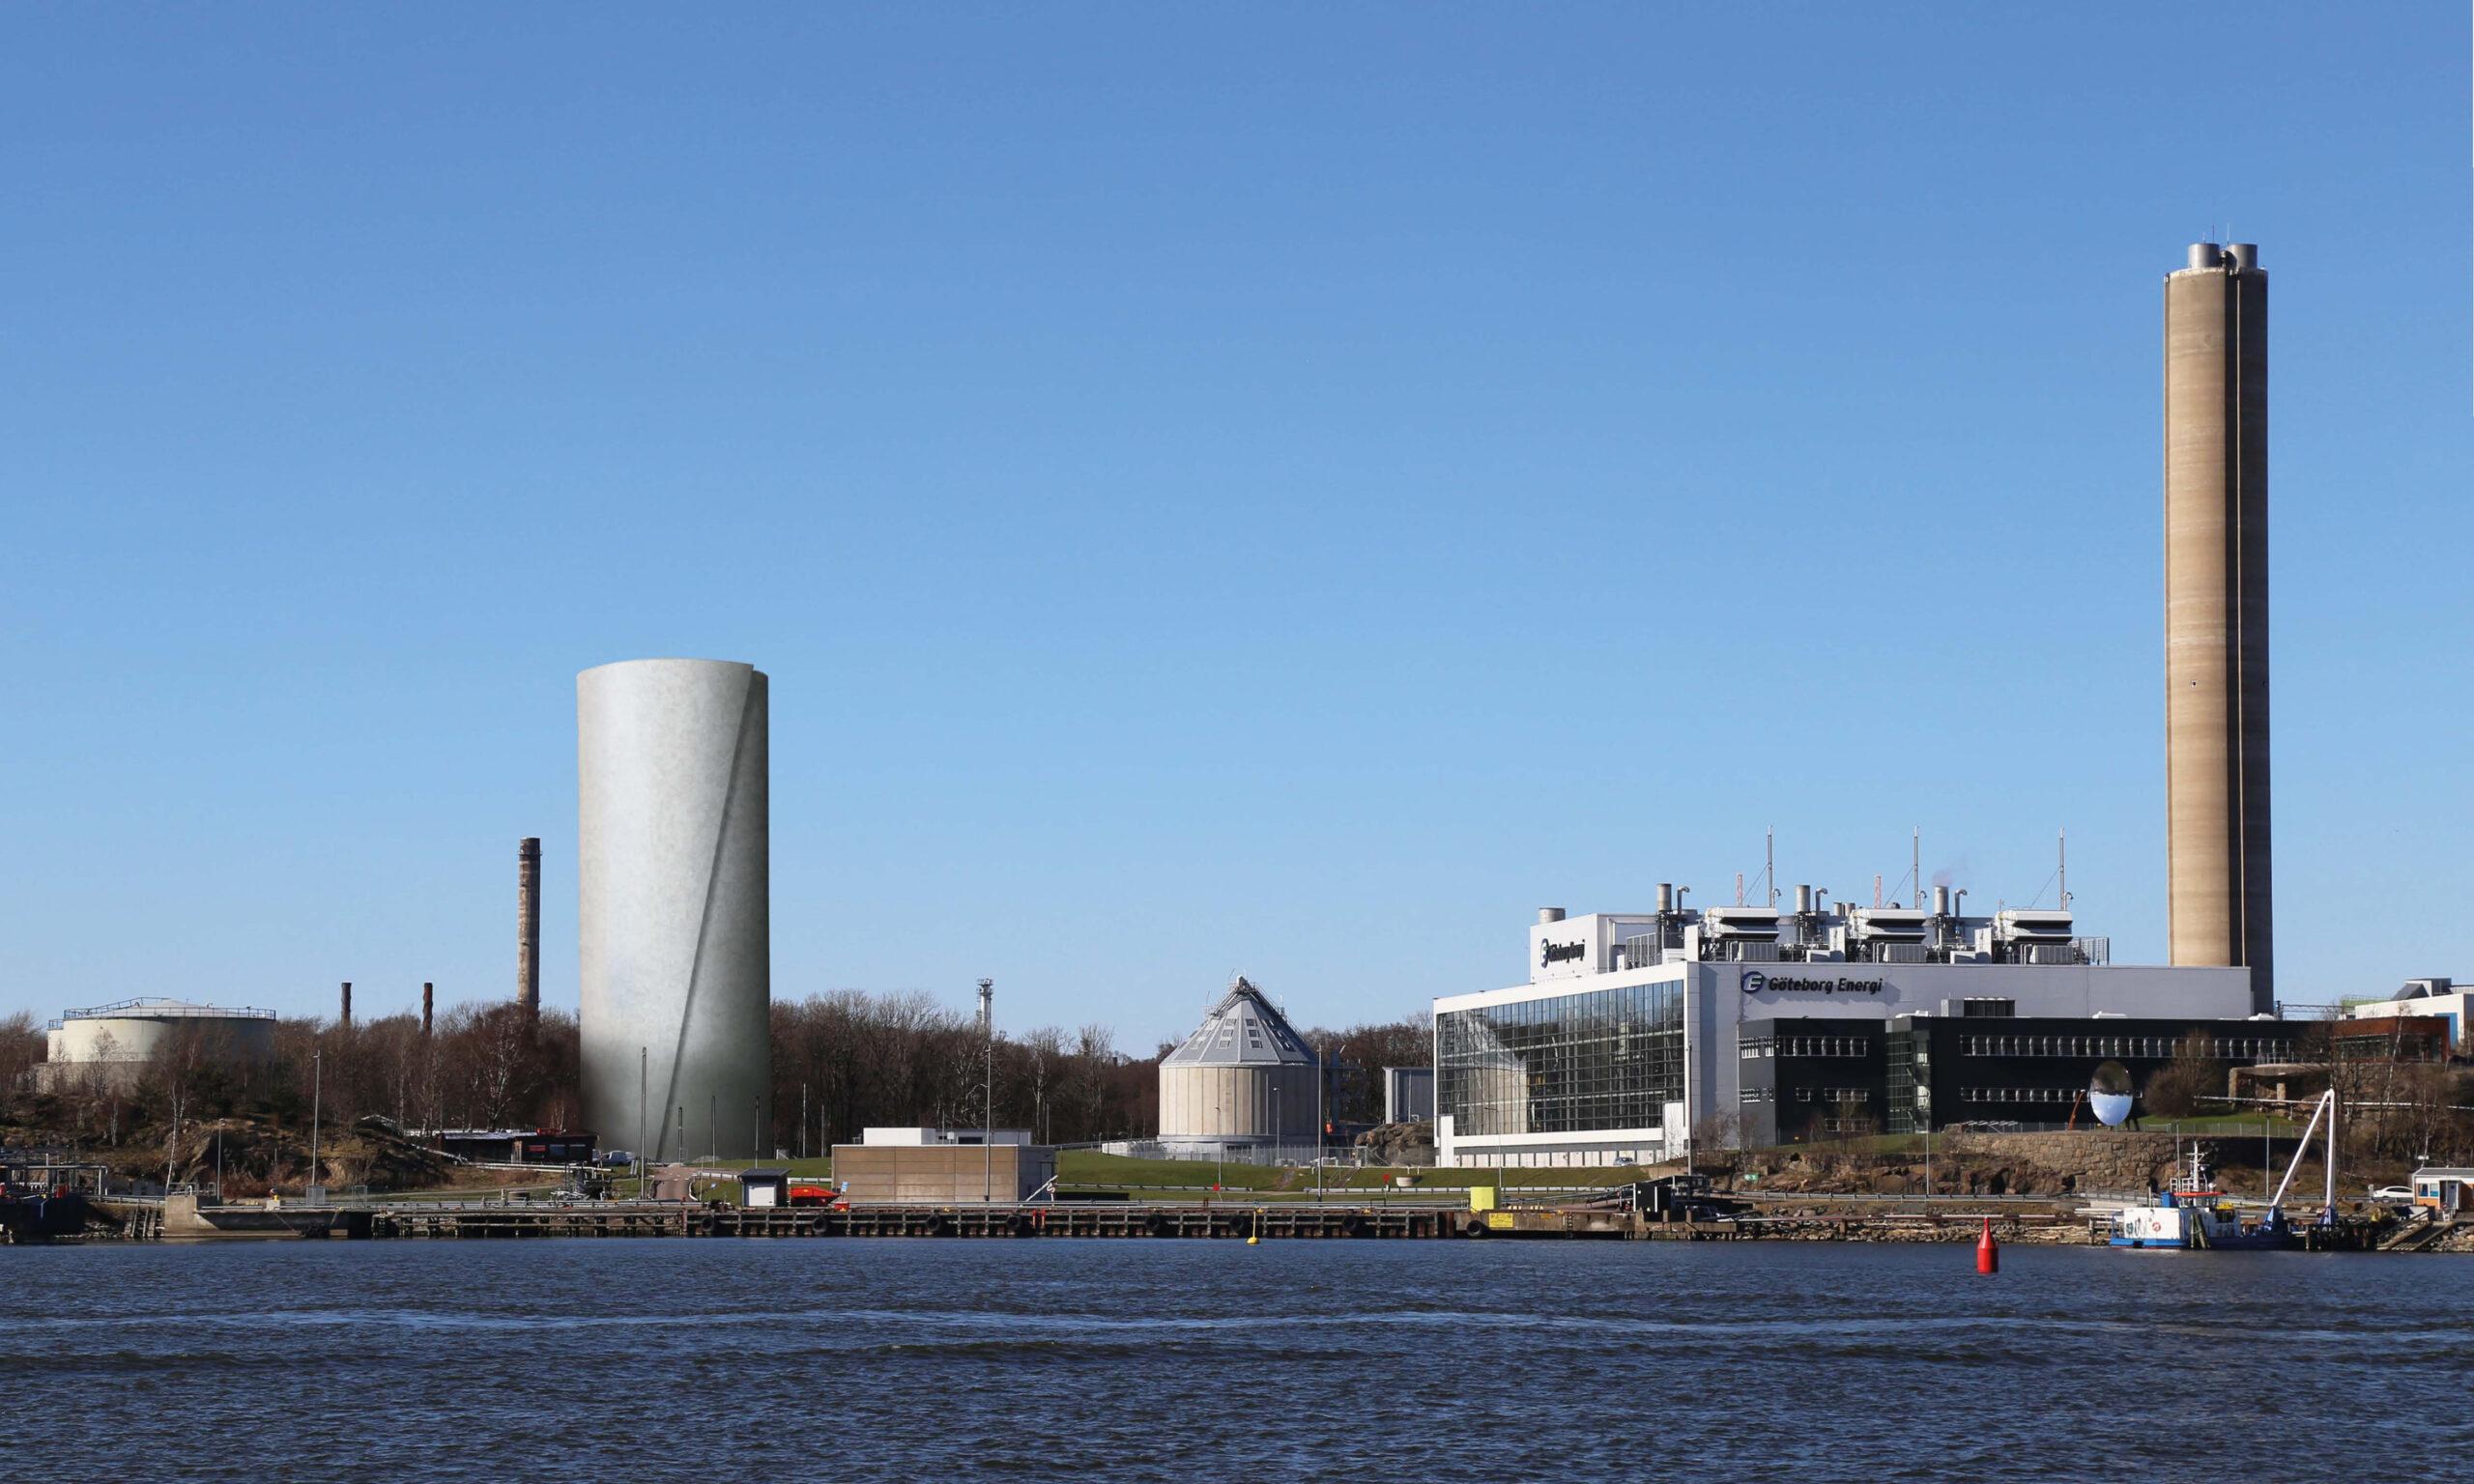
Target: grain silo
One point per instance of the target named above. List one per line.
(2216, 612)
(675, 934)
(1241, 1083)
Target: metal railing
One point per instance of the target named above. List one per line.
(143, 1008)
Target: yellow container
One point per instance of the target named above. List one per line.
(1481, 1197)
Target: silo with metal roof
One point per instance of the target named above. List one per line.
(1242, 1082)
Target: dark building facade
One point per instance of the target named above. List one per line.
(1942, 1070)
(1813, 1078)
(1810, 1078)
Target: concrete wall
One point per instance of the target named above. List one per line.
(674, 931)
(943, 1174)
(1254, 1103)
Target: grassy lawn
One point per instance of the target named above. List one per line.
(1084, 1170)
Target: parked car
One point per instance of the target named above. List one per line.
(2392, 1192)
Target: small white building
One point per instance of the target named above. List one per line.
(919, 1138)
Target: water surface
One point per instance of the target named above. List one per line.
(1207, 1361)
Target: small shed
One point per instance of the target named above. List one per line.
(2445, 1189)
(764, 1188)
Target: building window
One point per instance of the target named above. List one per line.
(1563, 1064)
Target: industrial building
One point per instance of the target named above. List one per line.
(2216, 614)
(513, 1146)
(111, 1046)
(2431, 996)
(943, 1167)
(1632, 1031)
(1408, 1094)
(1244, 1082)
(675, 937)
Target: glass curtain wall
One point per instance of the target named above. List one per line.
(1603, 1059)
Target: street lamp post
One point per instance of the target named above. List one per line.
(987, 1095)
(317, 1083)
(1318, 1124)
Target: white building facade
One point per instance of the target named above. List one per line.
(1623, 1045)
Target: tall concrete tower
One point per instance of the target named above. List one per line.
(528, 925)
(672, 878)
(2216, 612)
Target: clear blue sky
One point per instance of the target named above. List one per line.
(1280, 490)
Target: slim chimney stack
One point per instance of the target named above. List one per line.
(346, 1013)
(425, 1007)
(528, 925)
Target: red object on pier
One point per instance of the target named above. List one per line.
(1988, 1252)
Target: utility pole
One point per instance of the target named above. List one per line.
(803, 1120)
(988, 1092)
(171, 1151)
(317, 1085)
(1318, 1124)
(643, 1055)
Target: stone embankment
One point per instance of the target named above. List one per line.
(2103, 1162)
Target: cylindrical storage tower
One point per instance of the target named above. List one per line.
(675, 937)
(1244, 1080)
(2216, 614)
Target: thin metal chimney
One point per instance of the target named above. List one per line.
(528, 925)
(425, 1007)
(347, 1012)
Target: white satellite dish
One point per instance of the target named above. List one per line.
(2108, 1094)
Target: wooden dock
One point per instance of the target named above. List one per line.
(1282, 1221)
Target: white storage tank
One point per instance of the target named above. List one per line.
(673, 918)
(119, 1040)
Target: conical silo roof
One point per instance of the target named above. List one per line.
(1242, 1030)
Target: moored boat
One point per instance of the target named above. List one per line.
(2190, 1211)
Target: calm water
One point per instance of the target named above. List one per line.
(1195, 1360)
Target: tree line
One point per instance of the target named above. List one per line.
(841, 1061)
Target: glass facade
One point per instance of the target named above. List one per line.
(1564, 1064)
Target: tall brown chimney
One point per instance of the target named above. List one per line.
(2219, 902)
(528, 925)
(425, 1003)
(347, 1015)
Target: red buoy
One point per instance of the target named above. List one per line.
(1988, 1252)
